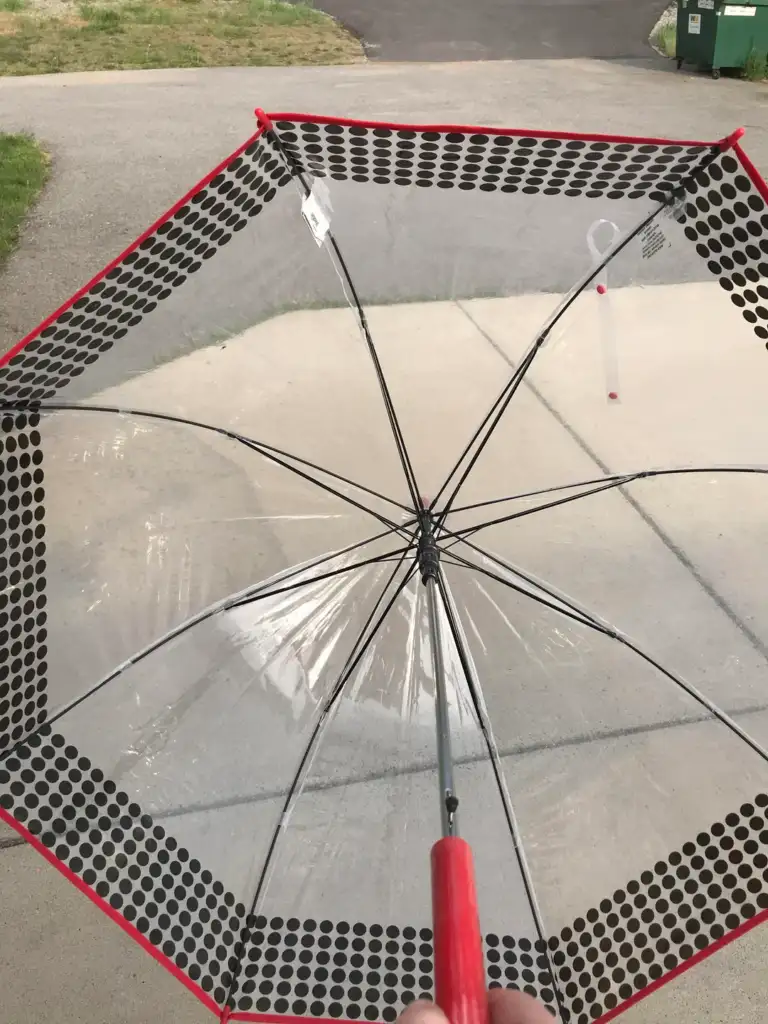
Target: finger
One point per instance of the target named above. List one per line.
(422, 1012)
(509, 1007)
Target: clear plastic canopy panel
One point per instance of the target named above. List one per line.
(217, 698)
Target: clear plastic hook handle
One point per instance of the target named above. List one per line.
(605, 312)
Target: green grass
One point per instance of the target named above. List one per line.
(115, 34)
(23, 171)
(102, 19)
(756, 68)
(665, 39)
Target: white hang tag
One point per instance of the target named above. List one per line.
(605, 313)
(316, 210)
(652, 240)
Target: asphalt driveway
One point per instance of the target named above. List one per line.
(496, 29)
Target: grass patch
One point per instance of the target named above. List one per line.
(665, 39)
(103, 19)
(23, 171)
(756, 68)
(133, 34)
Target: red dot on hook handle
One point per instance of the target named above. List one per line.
(613, 395)
(601, 289)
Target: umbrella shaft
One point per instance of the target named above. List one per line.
(448, 799)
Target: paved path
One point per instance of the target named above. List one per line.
(494, 29)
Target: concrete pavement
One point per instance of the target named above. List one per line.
(62, 962)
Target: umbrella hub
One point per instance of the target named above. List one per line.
(429, 553)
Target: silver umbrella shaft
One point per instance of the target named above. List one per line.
(448, 800)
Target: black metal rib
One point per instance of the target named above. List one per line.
(497, 410)
(267, 451)
(375, 559)
(361, 645)
(464, 563)
(405, 459)
(535, 494)
(258, 593)
(572, 611)
(493, 416)
(467, 531)
(297, 171)
(619, 480)
(473, 686)
(492, 419)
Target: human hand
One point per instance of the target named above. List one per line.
(505, 1007)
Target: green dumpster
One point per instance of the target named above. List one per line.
(715, 34)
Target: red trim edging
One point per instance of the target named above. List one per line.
(730, 140)
(753, 922)
(276, 1018)
(517, 132)
(757, 179)
(7, 356)
(264, 120)
(747, 926)
(118, 918)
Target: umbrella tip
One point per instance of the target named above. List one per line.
(731, 140)
(601, 289)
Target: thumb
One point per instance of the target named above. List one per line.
(422, 1012)
(510, 1007)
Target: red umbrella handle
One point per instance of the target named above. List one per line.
(459, 965)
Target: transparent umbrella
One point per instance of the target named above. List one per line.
(401, 488)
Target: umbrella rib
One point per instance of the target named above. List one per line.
(249, 596)
(465, 563)
(475, 691)
(497, 410)
(405, 459)
(268, 451)
(469, 530)
(418, 767)
(360, 646)
(494, 416)
(297, 171)
(374, 560)
(535, 494)
(571, 610)
(619, 478)
(619, 483)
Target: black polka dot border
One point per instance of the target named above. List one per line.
(146, 276)
(697, 898)
(727, 216)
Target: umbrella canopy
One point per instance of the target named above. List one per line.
(402, 481)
